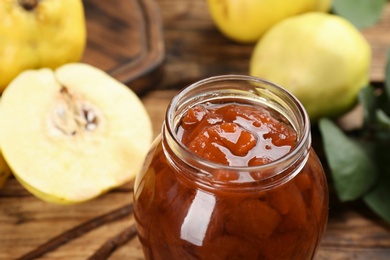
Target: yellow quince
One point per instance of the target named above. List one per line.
(247, 20)
(320, 58)
(39, 33)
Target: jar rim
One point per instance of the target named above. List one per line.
(303, 136)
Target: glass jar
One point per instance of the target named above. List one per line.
(277, 210)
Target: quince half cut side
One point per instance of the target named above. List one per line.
(73, 133)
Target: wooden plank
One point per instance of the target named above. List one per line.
(28, 222)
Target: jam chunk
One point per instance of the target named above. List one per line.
(236, 134)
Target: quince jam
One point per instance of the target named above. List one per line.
(228, 189)
(235, 135)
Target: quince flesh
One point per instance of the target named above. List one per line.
(321, 58)
(247, 20)
(39, 33)
(79, 134)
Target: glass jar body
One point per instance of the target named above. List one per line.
(177, 219)
(183, 213)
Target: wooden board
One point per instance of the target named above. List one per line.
(125, 38)
(29, 227)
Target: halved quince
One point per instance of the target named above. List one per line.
(73, 133)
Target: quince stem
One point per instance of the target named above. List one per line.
(28, 4)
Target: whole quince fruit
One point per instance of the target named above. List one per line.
(321, 58)
(39, 33)
(247, 20)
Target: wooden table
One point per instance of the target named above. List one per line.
(102, 228)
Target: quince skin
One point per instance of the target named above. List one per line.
(247, 20)
(320, 58)
(39, 33)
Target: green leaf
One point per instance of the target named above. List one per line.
(352, 169)
(368, 99)
(379, 198)
(387, 75)
(362, 13)
(383, 119)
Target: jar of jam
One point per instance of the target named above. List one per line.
(232, 176)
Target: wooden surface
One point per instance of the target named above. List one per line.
(102, 228)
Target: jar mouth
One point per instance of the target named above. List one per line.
(244, 88)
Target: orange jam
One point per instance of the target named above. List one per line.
(235, 135)
(231, 180)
